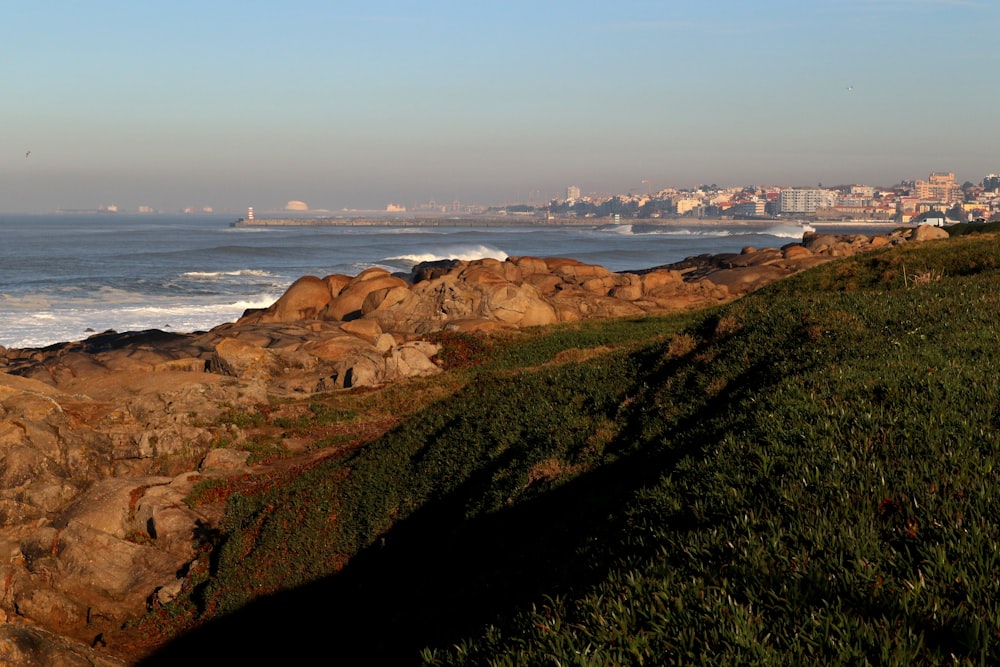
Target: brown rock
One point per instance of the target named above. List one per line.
(530, 264)
(578, 304)
(385, 298)
(818, 242)
(743, 280)
(751, 257)
(347, 305)
(473, 325)
(113, 576)
(385, 342)
(508, 271)
(163, 516)
(879, 242)
(656, 279)
(367, 330)
(189, 364)
(575, 271)
(244, 360)
(336, 348)
(545, 283)
(629, 289)
(34, 647)
(106, 506)
(796, 251)
(478, 276)
(519, 305)
(304, 300)
(336, 283)
(927, 233)
(223, 458)
(599, 284)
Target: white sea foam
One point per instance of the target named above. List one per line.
(25, 303)
(466, 253)
(358, 267)
(211, 275)
(421, 229)
(616, 229)
(662, 230)
(789, 231)
(45, 327)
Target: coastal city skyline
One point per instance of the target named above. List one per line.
(909, 200)
(355, 105)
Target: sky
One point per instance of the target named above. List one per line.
(358, 104)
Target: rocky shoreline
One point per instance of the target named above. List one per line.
(102, 439)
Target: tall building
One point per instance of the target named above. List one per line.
(753, 208)
(991, 182)
(939, 187)
(572, 193)
(805, 200)
(685, 204)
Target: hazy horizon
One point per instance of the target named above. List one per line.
(358, 104)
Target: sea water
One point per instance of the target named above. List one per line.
(63, 277)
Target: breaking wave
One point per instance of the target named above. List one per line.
(660, 230)
(45, 327)
(789, 231)
(210, 275)
(466, 253)
(785, 230)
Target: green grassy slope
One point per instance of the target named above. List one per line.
(806, 474)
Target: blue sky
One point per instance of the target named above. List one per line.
(351, 104)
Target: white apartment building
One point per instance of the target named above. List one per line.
(805, 200)
(572, 193)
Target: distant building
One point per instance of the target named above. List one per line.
(805, 200)
(939, 187)
(750, 209)
(686, 205)
(395, 208)
(572, 193)
(991, 182)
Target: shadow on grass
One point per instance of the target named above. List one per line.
(438, 577)
(432, 580)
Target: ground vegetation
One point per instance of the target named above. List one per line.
(807, 474)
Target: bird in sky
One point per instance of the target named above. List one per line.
(850, 88)
(27, 153)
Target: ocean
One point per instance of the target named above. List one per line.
(63, 277)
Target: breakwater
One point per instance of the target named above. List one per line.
(414, 222)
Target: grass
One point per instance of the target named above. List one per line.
(807, 474)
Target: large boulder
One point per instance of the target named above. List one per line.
(304, 300)
(347, 305)
(927, 233)
(238, 358)
(519, 305)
